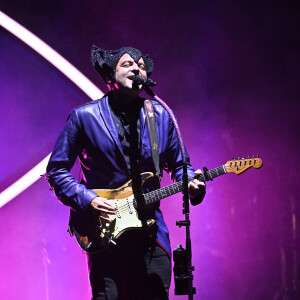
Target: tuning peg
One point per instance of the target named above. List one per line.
(238, 157)
(248, 156)
(233, 158)
(257, 156)
(243, 157)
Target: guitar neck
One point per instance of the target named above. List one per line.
(156, 195)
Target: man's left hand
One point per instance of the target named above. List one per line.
(196, 187)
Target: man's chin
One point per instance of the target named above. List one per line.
(133, 86)
(134, 89)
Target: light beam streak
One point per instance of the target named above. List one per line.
(68, 70)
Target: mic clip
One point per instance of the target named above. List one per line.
(138, 79)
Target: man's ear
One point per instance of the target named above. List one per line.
(109, 83)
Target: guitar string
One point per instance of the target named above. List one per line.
(156, 195)
(167, 191)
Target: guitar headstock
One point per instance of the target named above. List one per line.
(239, 166)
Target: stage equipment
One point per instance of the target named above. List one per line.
(183, 280)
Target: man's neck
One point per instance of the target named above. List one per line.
(123, 98)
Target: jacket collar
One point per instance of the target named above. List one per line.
(107, 118)
(109, 122)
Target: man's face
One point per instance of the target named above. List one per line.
(126, 69)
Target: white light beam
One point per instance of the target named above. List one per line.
(68, 70)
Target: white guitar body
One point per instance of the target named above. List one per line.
(126, 218)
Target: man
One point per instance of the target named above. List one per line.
(111, 140)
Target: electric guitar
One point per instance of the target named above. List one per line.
(98, 235)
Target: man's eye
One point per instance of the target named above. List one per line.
(142, 66)
(126, 65)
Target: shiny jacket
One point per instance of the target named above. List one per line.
(90, 134)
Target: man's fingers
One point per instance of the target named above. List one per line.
(105, 218)
(110, 206)
(106, 211)
(103, 205)
(195, 184)
(198, 172)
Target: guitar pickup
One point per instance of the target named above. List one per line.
(129, 207)
(118, 211)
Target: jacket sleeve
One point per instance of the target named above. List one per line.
(174, 161)
(67, 189)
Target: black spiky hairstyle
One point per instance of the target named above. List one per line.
(105, 61)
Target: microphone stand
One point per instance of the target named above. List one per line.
(182, 257)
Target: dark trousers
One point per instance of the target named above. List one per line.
(137, 268)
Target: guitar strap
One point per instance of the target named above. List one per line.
(152, 130)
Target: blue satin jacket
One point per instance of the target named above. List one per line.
(91, 135)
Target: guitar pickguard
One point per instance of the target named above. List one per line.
(126, 218)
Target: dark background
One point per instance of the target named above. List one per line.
(229, 70)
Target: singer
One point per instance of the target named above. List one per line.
(111, 140)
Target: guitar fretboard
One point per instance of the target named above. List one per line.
(175, 188)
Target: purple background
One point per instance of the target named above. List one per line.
(230, 71)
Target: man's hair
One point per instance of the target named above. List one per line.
(105, 61)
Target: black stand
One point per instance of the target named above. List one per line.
(182, 257)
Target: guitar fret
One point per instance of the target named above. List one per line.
(156, 195)
(223, 169)
(213, 173)
(173, 188)
(216, 172)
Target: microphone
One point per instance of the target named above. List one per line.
(138, 79)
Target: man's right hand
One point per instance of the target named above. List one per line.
(103, 207)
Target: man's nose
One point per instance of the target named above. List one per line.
(135, 68)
